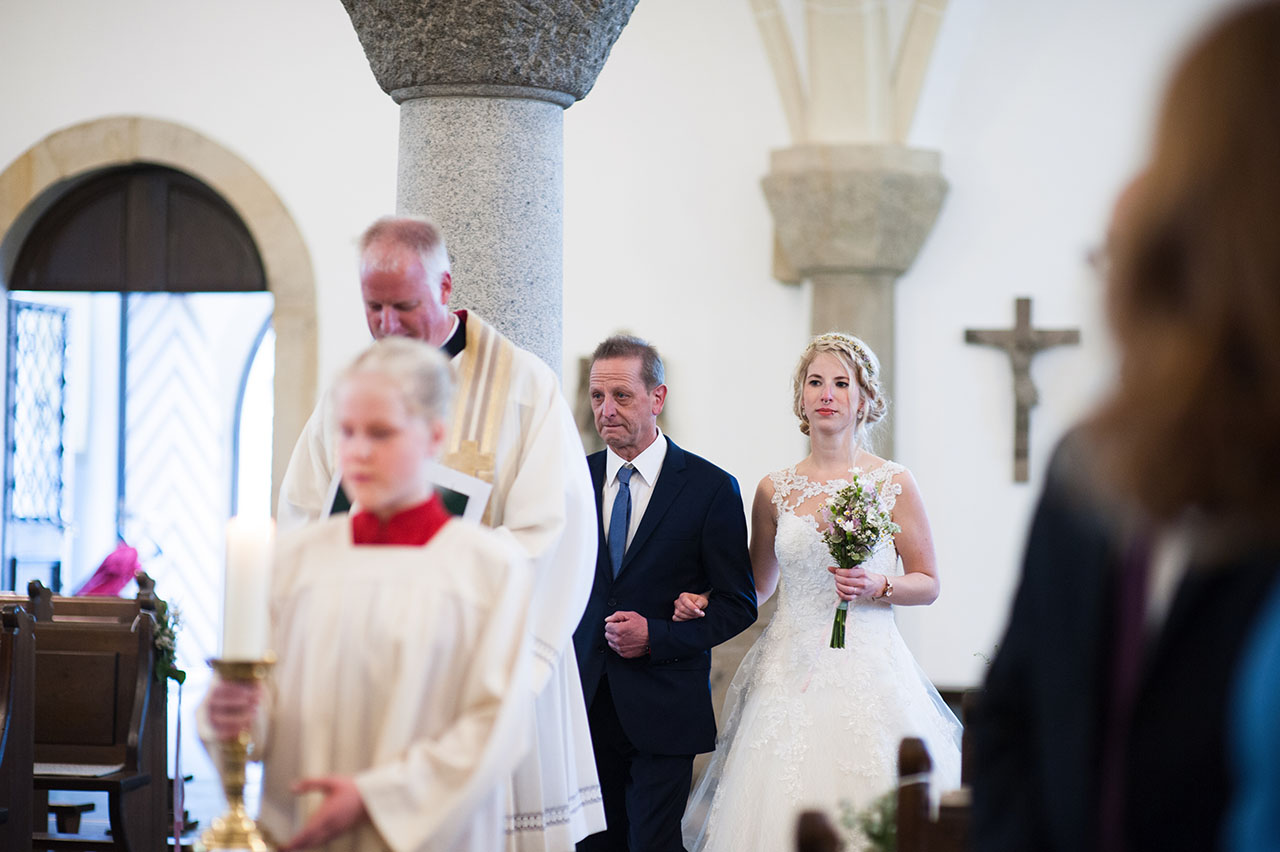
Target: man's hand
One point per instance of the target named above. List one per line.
(232, 707)
(690, 606)
(341, 810)
(627, 634)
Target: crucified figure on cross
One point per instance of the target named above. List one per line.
(1022, 343)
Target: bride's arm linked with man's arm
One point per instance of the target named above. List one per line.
(764, 564)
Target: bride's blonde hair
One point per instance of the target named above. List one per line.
(863, 366)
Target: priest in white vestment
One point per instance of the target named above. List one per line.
(513, 428)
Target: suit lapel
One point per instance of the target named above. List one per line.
(595, 463)
(671, 480)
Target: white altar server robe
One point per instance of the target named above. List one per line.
(543, 500)
(407, 668)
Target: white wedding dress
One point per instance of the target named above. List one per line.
(810, 726)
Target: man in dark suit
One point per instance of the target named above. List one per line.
(669, 522)
(1089, 735)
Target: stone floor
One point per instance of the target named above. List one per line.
(203, 803)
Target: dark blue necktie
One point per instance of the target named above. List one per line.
(620, 520)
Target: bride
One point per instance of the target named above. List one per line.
(806, 725)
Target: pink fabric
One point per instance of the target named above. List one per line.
(115, 572)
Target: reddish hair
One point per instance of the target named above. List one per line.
(1194, 291)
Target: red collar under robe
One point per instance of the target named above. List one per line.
(413, 526)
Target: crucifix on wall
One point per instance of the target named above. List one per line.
(1022, 343)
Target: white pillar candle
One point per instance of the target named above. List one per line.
(248, 579)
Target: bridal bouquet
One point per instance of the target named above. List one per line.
(857, 525)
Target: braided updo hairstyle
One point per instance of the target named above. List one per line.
(863, 367)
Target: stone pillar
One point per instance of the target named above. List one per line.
(851, 218)
(482, 87)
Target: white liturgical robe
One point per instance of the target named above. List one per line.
(407, 668)
(542, 499)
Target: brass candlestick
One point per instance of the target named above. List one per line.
(236, 829)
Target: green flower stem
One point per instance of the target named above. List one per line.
(837, 628)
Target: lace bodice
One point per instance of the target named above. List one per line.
(806, 589)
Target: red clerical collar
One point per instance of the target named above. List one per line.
(413, 526)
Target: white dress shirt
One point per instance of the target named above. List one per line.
(1170, 560)
(648, 466)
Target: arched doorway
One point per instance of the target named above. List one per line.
(57, 163)
(53, 200)
(139, 289)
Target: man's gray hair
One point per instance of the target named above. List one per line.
(411, 232)
(629, 346)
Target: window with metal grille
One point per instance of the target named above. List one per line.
(37, 379)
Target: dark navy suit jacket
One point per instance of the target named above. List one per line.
(693, 537)
(1038, 729)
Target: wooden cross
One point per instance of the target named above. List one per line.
(1022, 343)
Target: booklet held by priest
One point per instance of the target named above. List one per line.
(464, 496)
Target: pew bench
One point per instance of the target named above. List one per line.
(17, 718)
(917, 830)
(101, 726)
(43, 605)
(99, 610)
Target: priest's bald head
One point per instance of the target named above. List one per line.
(405, 280)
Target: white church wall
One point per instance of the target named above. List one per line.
(667, 233)
(1040, 110)
(284, 85)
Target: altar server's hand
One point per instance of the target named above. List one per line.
(340, 811)
(232, 707)
(627, 634)
(690, 606)
(856, 582)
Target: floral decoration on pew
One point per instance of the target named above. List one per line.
(877, 822)
(168, 620)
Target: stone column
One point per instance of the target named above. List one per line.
(482, 87)
(851, 218)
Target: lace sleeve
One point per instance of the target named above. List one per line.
(887, 488)
(783, 484)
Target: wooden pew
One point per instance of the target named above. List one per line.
(917, 830)
(44, 605)
(969, 705)
(98, 704)
(815, 833)
(17, 717)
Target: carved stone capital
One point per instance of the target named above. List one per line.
(852, 207)
(546, 49)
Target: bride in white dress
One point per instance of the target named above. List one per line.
(806, 725)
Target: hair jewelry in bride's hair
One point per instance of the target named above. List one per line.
(869, 364)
